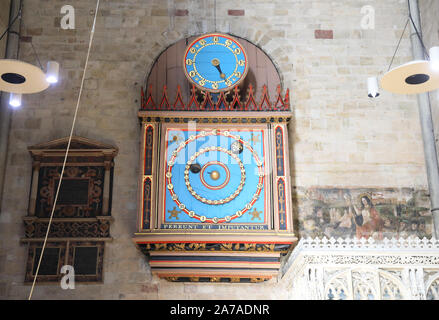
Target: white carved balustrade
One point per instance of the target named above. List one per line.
(363, 269)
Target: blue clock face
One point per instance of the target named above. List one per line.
(215, 62)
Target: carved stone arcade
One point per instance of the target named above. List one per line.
(352, 269)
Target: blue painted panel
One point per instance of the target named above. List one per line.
(221, 162)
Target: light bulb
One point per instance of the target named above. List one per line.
(52, 72)
(372, 87)
(434, 58)
(15, 100)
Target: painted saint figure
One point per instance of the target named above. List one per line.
(367, 219)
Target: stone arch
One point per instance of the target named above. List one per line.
(432, 285)
(405, 292)
(261, 35)
(167, 69)
(359, 282)
(337, 286)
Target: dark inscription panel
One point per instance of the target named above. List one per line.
(73, 192)
(86, 259)
(49, 263)
(81, 193)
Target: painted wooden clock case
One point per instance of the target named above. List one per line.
(215, 190)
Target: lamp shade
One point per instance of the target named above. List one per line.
(21, 77)
(411, 78)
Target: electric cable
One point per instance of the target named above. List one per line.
(416, 30)
(67, 150)
(11, 24)
(399, 42)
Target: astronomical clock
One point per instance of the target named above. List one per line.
(214, 183)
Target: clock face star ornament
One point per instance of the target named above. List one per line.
(215, 62)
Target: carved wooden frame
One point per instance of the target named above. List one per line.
(70, 232)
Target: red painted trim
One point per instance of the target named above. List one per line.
(164, 104)
(143, 202)
(182, 241)
(282, 140)
(285, 202)
(152, 262)
(144, 149)
(216, 275)
(178, 104)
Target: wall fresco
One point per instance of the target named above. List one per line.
(364, 213)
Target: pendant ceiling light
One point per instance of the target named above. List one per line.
(21, 77)
(414, 77)
(411, 78)
(18, 77)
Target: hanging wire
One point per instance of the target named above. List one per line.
(36, 55)
(11, 24)
(416, 30)
(33, 48)
(409, 19)
(214, 13)
(19, 15)
(399, 42)
(67, 150)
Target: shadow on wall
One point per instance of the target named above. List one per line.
(364, 213)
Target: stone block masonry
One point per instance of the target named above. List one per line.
(339, 137)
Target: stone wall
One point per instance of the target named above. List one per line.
(339, 139)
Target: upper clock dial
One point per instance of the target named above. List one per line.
(215, 62)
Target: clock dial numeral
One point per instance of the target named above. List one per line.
(210, 52)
